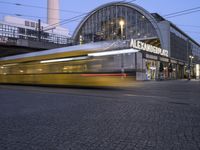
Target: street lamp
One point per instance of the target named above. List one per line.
(121, 23)
(80, 39)
(190, 63)
(191, 57)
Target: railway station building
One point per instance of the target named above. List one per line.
(165, 51)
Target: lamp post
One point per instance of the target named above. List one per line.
(190, 63)
(121, 23)
(80, 39)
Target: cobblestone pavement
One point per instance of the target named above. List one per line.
(149, 116)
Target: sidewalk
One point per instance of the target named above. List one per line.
(190, 79)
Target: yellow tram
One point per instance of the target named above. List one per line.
(85, 65)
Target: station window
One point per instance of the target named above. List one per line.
(33, 24)
(27, 23)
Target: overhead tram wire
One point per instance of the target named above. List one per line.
(25, 5)
(65, 21)
(18, 4)
(79, 17)
(183, 14)
(191, 9)
(70, 11)
(40, 7)
(130, 1)
(20, 15)
(171, 15)
(185, 25)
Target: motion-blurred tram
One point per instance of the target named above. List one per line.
(94, 64)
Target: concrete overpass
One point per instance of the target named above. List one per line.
(13, 46)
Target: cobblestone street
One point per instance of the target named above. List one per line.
(149, 116)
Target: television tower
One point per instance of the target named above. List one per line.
(53, 12)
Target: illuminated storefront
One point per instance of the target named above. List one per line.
(197, 71)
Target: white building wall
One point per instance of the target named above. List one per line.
(32, 24)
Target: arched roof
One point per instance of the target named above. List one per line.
(130, 5)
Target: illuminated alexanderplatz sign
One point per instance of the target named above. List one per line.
(147, 47)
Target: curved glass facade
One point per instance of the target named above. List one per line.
(125, 21)
(115, 22)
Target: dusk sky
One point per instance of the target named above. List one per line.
(189, 23)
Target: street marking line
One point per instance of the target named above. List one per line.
(148, 96)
